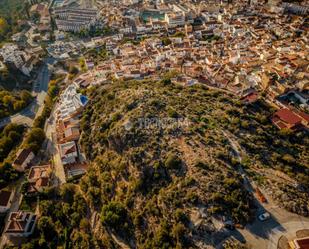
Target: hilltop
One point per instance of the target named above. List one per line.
(162, 155)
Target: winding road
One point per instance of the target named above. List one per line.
(265, 234)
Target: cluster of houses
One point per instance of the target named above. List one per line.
(39, 176)
(247, 51)
(22, 60)
(68, 113)
(20, 224)
(42, 11)
(25, 51)
(62, 50)
(37, 28)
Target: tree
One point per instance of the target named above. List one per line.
(25, 96)
(18, 105)
(8, 100)
(166, 41)
(113, 214)
(179, 232)
(84, 225)
(7, 174)
(172, 162)
(35, 139)
(46, 226)
(73, 70)
(3, 27)
(67, 192)
(13, 127)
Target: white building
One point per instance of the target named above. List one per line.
(75, 19)
(175, 19)
(68, 152)
(11, 54)
(71, 103)
(20, 59)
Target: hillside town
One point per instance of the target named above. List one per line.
(248, 49)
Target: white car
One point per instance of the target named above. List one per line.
(264, 216)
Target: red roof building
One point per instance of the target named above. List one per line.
(290, 119)
(20, 224)
(302, 243)
(249, 97)
(39, 178)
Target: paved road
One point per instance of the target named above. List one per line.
(40, 88)
(288, 230)
(265, 235)
(53, 151)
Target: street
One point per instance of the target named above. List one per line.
(265, 234)
(52, 149)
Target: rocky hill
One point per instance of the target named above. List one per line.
(163, 169)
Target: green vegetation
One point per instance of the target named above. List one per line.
(10, 137)
(166, 41)
(34, 139)
(211, 38)
(7, 174)
(234, 244)
(11, 102)
(10, 12)
(97, 55)
(172, 161)
(151, 168)
(115, 216)
(64, 221)
(11, 7)
(3, 27)
(95, 32)
(165, 161)
(50, 99)
(268, 148)
(82, 64)
(12, 79)
(179, 34)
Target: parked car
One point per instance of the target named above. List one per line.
(264, 216)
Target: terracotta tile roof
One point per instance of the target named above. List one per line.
(18, 222)
(38, 184)
(38, 172)
(303, 115)
(287, 116)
